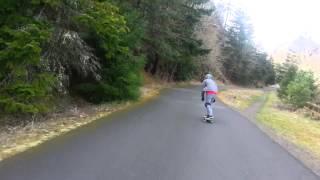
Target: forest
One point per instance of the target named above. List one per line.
(98, 50)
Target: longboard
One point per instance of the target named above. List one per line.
(208, 120)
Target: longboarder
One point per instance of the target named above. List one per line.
(209, 91)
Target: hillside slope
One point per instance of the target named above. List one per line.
(307, 52)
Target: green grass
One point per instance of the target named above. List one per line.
(294, 127)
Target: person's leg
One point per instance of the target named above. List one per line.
(209, 109)
(208, 105)
(213, 100)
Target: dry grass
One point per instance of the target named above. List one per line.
(240, 98)
(294, 127)
(19, 138)
(16, 139)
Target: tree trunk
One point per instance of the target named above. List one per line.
(155, 64)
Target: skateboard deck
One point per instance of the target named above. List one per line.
(208, 120)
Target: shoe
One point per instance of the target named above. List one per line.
(209, 117)
(209, 121)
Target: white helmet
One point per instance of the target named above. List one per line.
(208, 76)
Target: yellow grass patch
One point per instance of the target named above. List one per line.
(296, 128)
(240, 98)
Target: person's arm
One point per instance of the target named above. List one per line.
(203, 90)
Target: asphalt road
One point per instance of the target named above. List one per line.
(164, 139)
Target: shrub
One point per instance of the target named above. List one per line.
(115, 39)
(285, 74)
(301, 89)
(24, 87)
(121, 81)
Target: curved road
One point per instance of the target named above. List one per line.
(164, 139)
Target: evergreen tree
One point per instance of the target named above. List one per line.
(24, 87)
(242, 62)
(170, 43)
